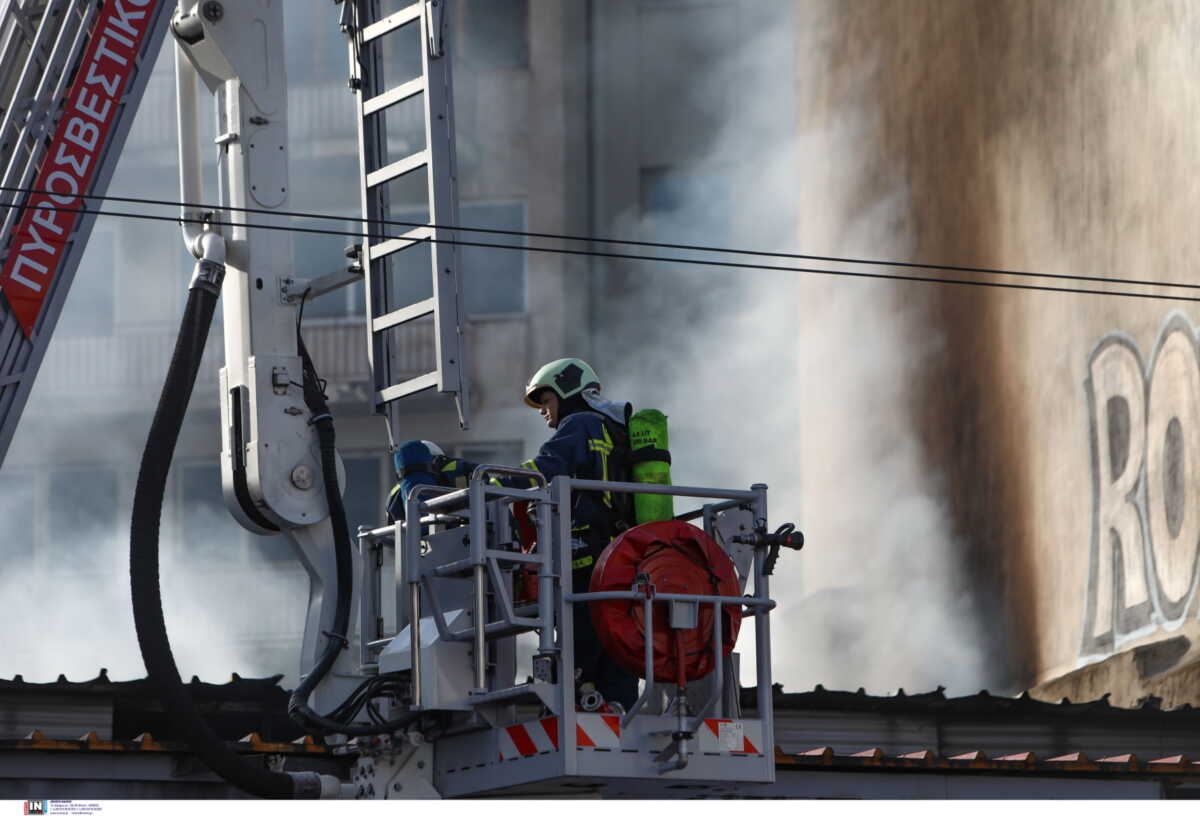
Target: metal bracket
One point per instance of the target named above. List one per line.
(435, 17)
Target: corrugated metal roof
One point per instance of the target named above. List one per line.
(976, 761)
(120, 710)
(852, 722)
(982, 703)
(818, 729)
(90, 742)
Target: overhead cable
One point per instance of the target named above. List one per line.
(655, 258)
(627, 242)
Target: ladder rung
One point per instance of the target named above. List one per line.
(398, 168)
(393, 392)
(393, 21)
(384, 248)
(398, 94)
(396, 318)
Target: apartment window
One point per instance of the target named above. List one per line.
(208, 534)
(686, 205)
(16, 523)
(90, 307)
(82, 528)
(495, 33)
(493, 279)
(316, 50)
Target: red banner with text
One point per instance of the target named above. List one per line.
(39, 244)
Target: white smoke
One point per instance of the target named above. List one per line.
(227, 608)
(802, 382)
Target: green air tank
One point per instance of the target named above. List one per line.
(651, 464)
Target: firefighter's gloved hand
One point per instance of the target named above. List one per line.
(414, 466)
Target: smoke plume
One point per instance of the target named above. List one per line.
(803, 382)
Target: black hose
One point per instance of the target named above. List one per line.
(144, 567)
(298, 708)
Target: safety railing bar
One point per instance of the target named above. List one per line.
(643, 698)
(452, 498)
(462, 564)
(370, 599)
(564, 616)
(453, 568)
(384, 535)
(663, 490)
(718, 660)
(444, 518)
(500, 590)
(618, 595)
(547, 577)
(514, 556)
(515, 627)
(708, 508)
(439, 617)
(478, 543)
(718, 672)
(378, 532)
(524, 473)
(515, 493)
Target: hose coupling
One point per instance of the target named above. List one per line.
(208, 276)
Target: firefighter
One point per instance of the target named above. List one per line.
(590, 441)
(422, 462)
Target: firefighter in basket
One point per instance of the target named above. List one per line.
(590, 441)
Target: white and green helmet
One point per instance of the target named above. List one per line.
(566, 377)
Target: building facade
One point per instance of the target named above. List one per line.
(235, 599)
(1000, 480)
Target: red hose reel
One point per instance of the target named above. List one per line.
(677, 558)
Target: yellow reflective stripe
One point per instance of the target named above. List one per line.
(604, 447)
(395, 490)
(529, 464)
(580, 563)
(446, 468)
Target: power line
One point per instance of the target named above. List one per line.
(633, 257)
(630, 242)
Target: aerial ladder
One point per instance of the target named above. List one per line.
(429, 703)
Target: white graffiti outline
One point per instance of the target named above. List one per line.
(1132, 623)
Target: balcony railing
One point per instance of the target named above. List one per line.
(78, 365)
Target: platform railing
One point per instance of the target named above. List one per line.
(556, 604)
(759, 603)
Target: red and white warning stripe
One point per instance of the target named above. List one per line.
(598, 730)
(730, 736)
(541, 736)
(527, 739)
